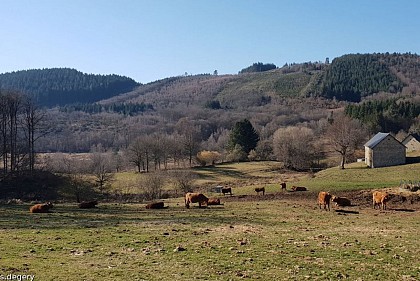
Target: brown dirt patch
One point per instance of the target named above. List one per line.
(400, 200)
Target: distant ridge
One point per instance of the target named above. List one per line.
(60, 86)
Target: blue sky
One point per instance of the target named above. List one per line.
(155, 39)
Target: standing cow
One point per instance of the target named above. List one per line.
(380, 198)
(324, 199)
(227, 190)
(195, 198)
(260, 189)
(283, 186)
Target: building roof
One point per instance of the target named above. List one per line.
(415, 136)
(377, 139)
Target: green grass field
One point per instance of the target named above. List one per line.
(282, 239)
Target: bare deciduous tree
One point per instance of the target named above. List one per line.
(294, 147)
(345, 135)
(183, 180)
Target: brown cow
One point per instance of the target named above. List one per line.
(341, 201)
(88, 204)
(213, 201)
(260, 189)
(195, 198)
(299, 188)
(41, 208)
(155, 205)
(324, 200)
(379, 199)
(226, 190)
(283, 186)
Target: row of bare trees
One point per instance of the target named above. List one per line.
(20, 126)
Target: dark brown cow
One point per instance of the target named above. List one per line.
(380, 198)
(41, 208)
(155, 205)
(195, 198)
(260, 189)
(341, 201)
(283, 186)
(324, 199)
(88, 204)
(299, 188)
(226, 190)
(213, 201)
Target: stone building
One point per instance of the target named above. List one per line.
(412, 142)
(384, 150)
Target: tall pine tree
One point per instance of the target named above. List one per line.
(243, 134)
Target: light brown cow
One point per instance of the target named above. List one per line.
(41, 208)
(380, 198)
(195, 198)
(227, 190)
(299, 188)
(88, 204)
(214, 201)
(341, 201)
(155, 205)
(283, 186)
(324, 200)
(260, 189)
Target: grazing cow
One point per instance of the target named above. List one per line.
(379, 199)
(299, 188)
(226, 190)
(195, 198)
(213, 201)
(341, 201)
(324, 200)
(283, 186)
(260, 189)
(155, 205)
(88, 204)
(41, 208)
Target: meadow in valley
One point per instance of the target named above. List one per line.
(276, 236)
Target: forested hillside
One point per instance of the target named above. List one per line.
(297, 94)
(61, 86)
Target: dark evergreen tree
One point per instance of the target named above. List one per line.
(258, 67)
(244, 135)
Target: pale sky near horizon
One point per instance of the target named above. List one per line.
(155, 39)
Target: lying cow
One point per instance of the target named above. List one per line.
(260, 189)
(195, 198)
(88, 204)
(283, 186)
(227, 190)
(324, 200)
(341, 201)
(213, 201)
(299, 188)
(155, 205)
(380, 198)
(41, 208)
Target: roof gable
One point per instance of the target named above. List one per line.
(378, 138)
(410, 137)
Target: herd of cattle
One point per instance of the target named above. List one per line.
(379, 199)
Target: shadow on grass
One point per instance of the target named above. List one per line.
(213, 173)
(402, 210)
(346, 212)
(70, 217)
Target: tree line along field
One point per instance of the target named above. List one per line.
(279, 236)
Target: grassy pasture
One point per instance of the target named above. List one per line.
(286, 238)
(254, 240)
